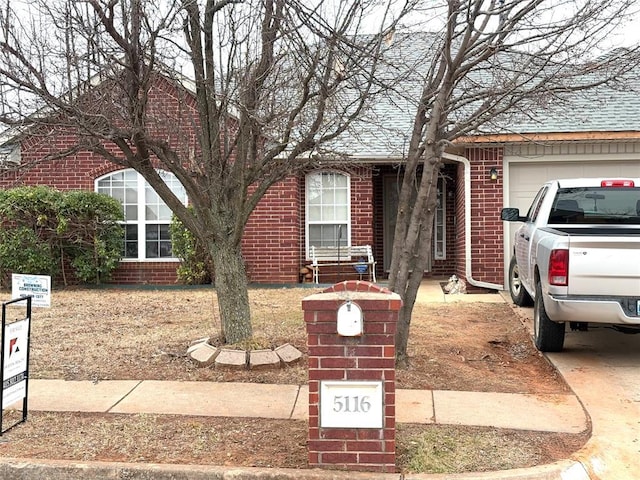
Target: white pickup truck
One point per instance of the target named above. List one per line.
(577, 257)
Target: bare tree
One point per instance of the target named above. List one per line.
(492, 63)
(268, 84)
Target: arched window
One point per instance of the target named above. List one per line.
(147, 217)
(328, 209)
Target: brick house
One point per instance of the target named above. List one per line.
(598, 136)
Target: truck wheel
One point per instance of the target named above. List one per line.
(548, 335)
(519, 294)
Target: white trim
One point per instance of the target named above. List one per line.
(587, 151)
(306, 207)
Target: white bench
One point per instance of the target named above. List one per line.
(359, 257)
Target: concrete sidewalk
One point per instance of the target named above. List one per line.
(431, 292)
(549, 413)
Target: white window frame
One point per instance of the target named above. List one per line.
(142, 221)
(440, 235)
(308, 222)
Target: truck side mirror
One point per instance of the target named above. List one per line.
(511, 215)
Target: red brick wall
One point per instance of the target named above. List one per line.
(274, 244)
(272, 241)
(362, 206)
(487, 247)
(152, 273)
(76, 172)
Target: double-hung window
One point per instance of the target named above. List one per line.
(328, 209)
(147, 217)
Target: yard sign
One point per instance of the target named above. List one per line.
(38, 286)
(14, 358)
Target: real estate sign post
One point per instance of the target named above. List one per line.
(14, 357)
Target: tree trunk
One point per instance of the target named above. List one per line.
(233, 295)
(411, 290)
(413, 245)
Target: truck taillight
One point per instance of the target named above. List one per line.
(559, 268)
(617, 183)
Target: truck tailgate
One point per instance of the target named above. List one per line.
(601, 265)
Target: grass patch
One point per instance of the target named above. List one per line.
(267, 443)
(458, 449)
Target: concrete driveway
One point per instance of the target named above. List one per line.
(602, 366)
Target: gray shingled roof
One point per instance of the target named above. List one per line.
(602, 109)
(385, 130)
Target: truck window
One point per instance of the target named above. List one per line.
(532, 214)
(596, 205)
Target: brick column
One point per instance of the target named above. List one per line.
(352, 379)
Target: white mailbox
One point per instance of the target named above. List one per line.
(350, 320)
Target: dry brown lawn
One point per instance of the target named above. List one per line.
(118, 333)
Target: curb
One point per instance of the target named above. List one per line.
(26, 469)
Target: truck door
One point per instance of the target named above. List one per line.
(524, 243)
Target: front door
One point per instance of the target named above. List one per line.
(391, 190)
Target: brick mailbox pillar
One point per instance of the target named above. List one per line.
(351, 330)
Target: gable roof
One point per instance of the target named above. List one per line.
(11, 137)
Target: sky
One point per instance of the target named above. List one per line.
(432, 19)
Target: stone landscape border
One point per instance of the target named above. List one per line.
(204, 354)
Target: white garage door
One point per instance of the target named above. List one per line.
(525, 179)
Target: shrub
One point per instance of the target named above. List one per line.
(196, 265)
(79, 229)
(22, 251)
(92, 233)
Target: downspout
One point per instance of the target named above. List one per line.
(467, 223)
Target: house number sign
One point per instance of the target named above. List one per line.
(346, 404)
